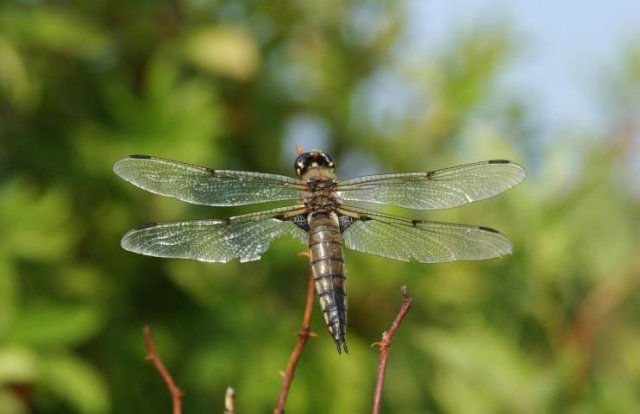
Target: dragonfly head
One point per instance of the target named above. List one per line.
(313, 159)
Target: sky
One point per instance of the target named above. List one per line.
(569, 46)
(566, 51)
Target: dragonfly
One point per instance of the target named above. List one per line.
(324, 213)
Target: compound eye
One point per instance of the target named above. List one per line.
(299, 165)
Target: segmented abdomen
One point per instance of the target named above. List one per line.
(327, 264)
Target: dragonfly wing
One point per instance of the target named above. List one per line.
(425, 241)
(434, 190)
(244, 237)
(201, 185)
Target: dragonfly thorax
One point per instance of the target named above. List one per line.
(321, 196)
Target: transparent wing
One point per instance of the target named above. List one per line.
(200, 185)
(243, 237)
(425, 241)
(434, 190)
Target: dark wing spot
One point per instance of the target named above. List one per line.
(140, 156)
(489, 229)
(499, 162)
(415, 223)
(430, 174)
(211, 171)
(145, 226)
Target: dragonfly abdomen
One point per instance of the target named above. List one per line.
(327, 264)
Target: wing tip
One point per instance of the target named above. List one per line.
(514, 165)
(508, 248)
(506, 245)
(126, 242)
(117, 164)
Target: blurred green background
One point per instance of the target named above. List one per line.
(235, 85)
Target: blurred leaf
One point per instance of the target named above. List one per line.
(224, 50)
(35, 225)
(18, 364)
(175, 118)
(11, 404)
(76, 382)
(55, 324)
(56, 30)
(479, 371)
(8, 295)
(15, 84)
(82, 280)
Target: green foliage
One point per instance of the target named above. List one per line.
(552, 328)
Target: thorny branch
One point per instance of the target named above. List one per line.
(303, 336)
(288, 374)
(384, 346)
(176, 394)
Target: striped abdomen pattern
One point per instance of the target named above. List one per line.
(327, 264)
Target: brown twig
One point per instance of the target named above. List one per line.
(176, 394)
(384, 346)
(303, 336)
(229, 401)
